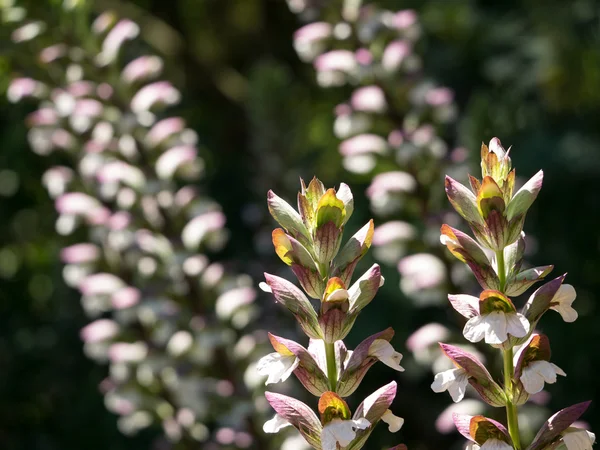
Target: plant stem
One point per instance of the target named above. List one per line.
(511, 409)
(331, 365)
(501, 269)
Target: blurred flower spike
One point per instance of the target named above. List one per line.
(174, 327)
(310, 241)
(496, 217)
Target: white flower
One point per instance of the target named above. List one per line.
(394, 422)
(564, 298)
(341, 432)
(454, 381)
(579, 439)
(495, 327)
(536, 373)
(496, 444)
(275, 424)
(383, 350)
(472, 446)
(277, 367)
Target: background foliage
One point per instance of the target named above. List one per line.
(526, 71)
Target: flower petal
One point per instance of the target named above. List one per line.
(394, 422)
(275, 424)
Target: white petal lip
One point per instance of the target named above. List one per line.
(277, 367)
(495, 326)
(564, 297)
(579, 440)
(275, 424)
(454, 381)
(383, 350)
(496, 444)
(342, 432)
(537, 372)
(394, 422)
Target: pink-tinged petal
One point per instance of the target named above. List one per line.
(463, 201)
(444, 423)
(171, 160)
(119, 171)
(294, 299)
(28, 32)
(393, 231)
(76, 203)
(20, 88)
(119, 220)
(376, 404)
(228, 302)
(359, 363)
(478, 375)
(307, 370)
(52, 53)
(101, 284)
(395, 53)
(363, 144)
(541, 300)
(142, 68)
(439, 96)
(42, 117)
(426, 336)
(369, 99)
(562, 301)
(556, 424)
(81, 88)
(99, 330)
(315, 31)
(421, 271)
(80, 254)
(363, 56)
(56, 180)
(103, 22)
(121, 32)
(160, 92)
(465, 305)
(163, 129)
(287, 217)
(364, 289)
(405, 18)
(125, 297)
(299, 415)
(525, 196)
(391, 183)
(197, 228)
(88, 107)
(128, 352)
(336, 60)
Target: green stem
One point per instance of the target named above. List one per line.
(331, 366)
(511, 409)
(501, 269)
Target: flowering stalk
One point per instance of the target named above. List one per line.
(391, 127)
(496, 217)
(173, 326)
(310, 242)
(396, 127)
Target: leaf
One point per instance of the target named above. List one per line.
(479, 377)
(556, 424)
(525, 196)
(364, 289)
(299, 415)
(293, 299)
